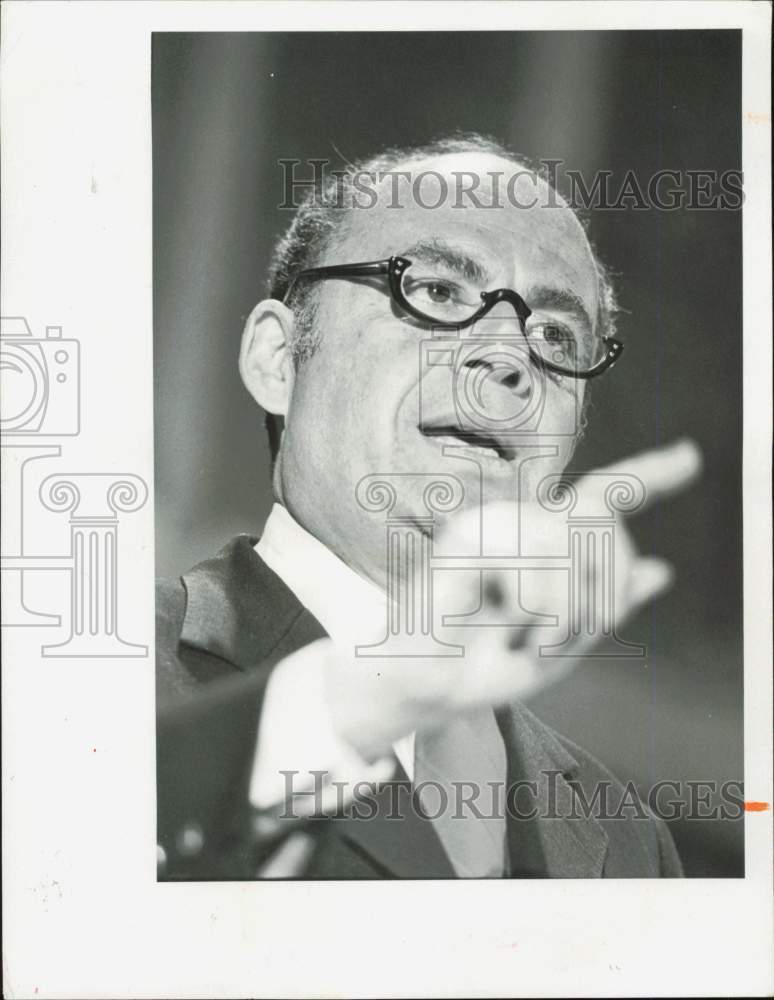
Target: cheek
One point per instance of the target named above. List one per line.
(358, 346)
(340, 404)
(366, 370)
(562, 411)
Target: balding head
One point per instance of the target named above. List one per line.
(366, 387)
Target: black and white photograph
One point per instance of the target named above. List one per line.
(386, 426)
(453, 354)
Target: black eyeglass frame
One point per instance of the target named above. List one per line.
(393, 269)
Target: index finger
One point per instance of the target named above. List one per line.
(661, 472)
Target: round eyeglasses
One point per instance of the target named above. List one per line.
(439, 296)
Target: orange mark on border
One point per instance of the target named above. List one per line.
(756, 807)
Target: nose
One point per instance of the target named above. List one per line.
(495, 388)
(495, 374)
(499, 365)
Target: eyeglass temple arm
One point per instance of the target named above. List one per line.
(342, 271)
(613, 353)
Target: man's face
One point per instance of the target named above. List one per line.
(370, 401)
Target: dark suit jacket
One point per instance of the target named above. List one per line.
(220, 631)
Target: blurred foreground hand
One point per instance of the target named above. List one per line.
(375, 701)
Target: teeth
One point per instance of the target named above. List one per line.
(469, 446)
(480, 450)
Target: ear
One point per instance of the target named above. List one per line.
(265, 361)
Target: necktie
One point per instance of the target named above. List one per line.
(470, 752)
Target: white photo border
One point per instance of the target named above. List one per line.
(85, 916)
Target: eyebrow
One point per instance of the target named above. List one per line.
(561, 299)
(435, 251)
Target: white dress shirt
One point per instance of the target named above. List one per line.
(296, 732)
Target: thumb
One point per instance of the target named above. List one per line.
(649, 578)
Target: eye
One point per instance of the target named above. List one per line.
(554, 334)
(440, 298)
(438, 292)
(434, 290)
(550, 332)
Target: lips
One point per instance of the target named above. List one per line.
(482, 442)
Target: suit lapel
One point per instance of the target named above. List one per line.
(240, 610)
(406, 847)
(559, 841)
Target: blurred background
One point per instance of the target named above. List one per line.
(227, 107)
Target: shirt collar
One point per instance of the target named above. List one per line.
(350, 608)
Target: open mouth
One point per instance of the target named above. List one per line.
(479, 442)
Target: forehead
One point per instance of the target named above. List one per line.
(520, 232)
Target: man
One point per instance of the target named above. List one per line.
(414, 340)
